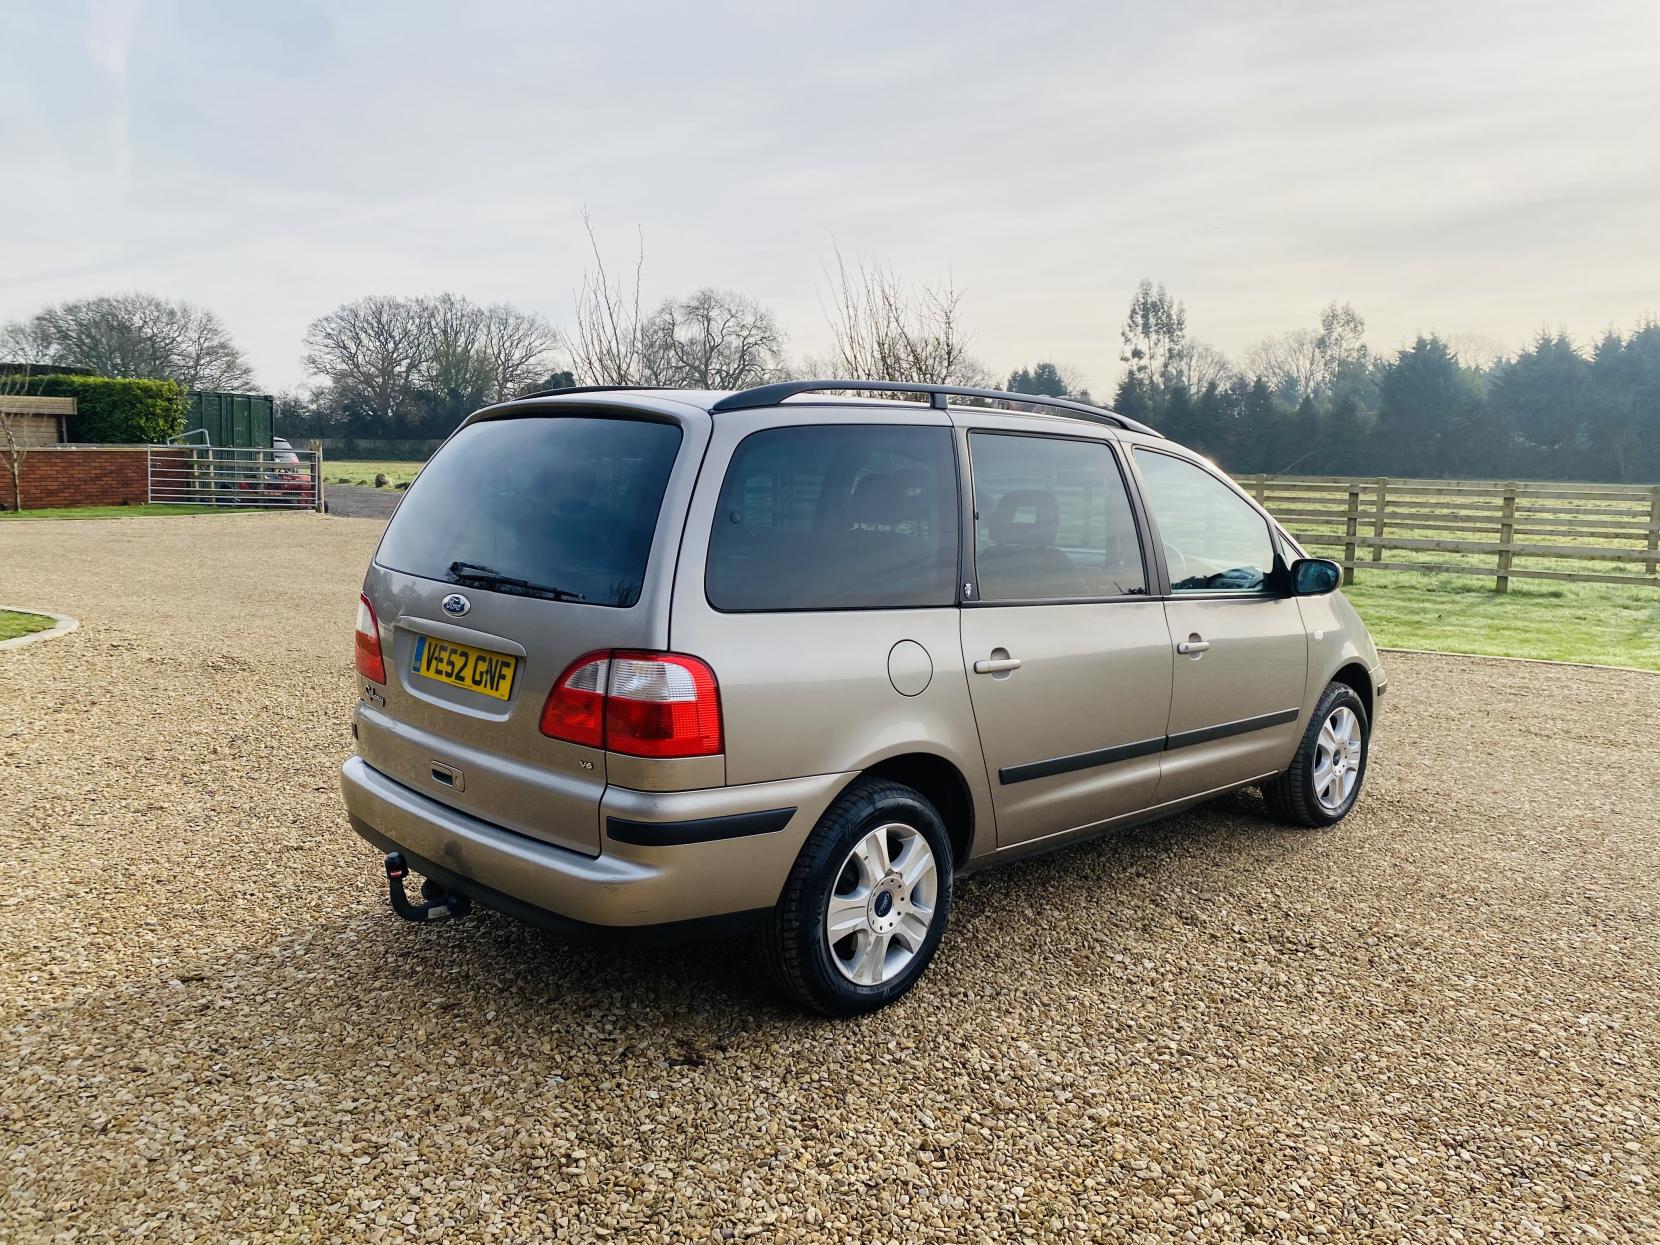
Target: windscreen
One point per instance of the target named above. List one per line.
(555, 506)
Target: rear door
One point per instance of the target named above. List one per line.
(1238, 640)
(1069, 660)
(525, 543)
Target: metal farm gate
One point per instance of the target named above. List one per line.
(198, 474)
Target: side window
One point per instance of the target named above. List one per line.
(1052, 520)
(1213, 540)
(834, 517)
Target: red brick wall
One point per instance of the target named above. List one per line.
(93, 475)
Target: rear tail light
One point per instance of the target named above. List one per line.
(575, 711)
(662, 705)
(642, 704)
(370, 664)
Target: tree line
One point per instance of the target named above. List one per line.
(1319, 401)
(1316, 400)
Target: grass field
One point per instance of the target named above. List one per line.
(342, 471)
(13, 624)
(107, 512)
(1599, 624)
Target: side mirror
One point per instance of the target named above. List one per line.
(1314, 577)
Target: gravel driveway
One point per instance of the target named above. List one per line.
(1440, 1022)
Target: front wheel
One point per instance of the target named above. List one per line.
(1325, 777)
(865, 904)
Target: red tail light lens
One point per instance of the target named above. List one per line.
(370, 664)
(662, 705)
(641, 704)
(575, 710)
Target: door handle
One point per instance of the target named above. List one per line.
(997, 665)
(1194, 646)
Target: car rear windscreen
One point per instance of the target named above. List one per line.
(565, 504)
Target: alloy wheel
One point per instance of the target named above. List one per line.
(1337, 756)
(882, 904)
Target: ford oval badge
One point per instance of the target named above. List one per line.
(456, 604)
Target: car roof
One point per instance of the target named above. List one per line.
(676, 403)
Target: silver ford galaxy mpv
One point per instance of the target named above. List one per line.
(791, 661)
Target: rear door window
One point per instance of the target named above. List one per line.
(835, 517)
(565, 504)
(1052, 520)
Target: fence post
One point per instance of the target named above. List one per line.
(1351, 529)
(1653, 563)
(317, 477)
(1377, 519)
(1507, 536)
(1260, 487)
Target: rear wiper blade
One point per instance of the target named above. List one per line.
(494, 578)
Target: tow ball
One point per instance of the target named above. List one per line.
(440, 904)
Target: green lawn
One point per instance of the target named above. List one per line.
(343, 471)
(111, 512)
(1600, 624)
(13, 624)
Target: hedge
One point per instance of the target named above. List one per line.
(115, 411)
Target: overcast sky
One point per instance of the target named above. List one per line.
(1480, 167)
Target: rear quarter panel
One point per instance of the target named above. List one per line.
(809, 692)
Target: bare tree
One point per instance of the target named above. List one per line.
(517, 347)
(608, 344)
(1302, 364)
(713, 339)
(1341, 342)
(1290, 364)
(134, 335)
(14, 383)
(885, 329)
(371, 352)
(1475, 349)
(1201, 365)
(453, 363)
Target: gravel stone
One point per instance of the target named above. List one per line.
(1436, 1023)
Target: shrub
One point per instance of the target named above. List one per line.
(116, 411)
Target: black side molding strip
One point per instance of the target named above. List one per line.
(1223, 729)
(1077, 761)
(702, 830)
(1146, 747)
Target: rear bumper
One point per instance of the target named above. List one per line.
(668, 858)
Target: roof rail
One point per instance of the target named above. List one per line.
(551, 393)
(772, 395)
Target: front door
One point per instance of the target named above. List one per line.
(1069, 660)
(1240, 647)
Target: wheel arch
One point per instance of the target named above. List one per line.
(944, 786)
(1355, 675)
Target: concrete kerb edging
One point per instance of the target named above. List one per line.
(63, 625)
(1528, 661)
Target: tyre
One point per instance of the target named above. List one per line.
(863, 909)
(1325, 777)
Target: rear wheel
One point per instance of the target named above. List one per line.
(1325, 777)
(863, 909)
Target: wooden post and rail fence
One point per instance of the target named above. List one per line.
(1601, 530)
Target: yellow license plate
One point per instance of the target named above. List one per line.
(461, 665)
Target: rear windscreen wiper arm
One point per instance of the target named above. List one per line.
(495, 579)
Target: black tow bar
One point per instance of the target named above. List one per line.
(440, 905)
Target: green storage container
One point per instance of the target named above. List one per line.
(237, 420)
